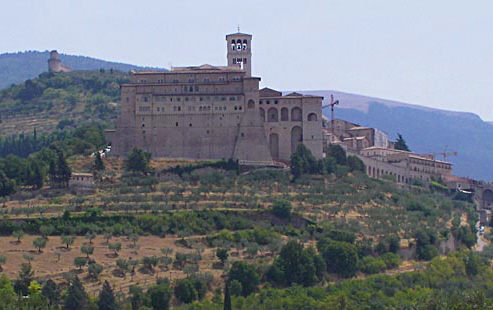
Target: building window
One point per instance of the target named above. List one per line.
(234, 61)
(244, 60)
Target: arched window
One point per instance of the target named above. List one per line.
(312, 117)
(262, 114)
(244, 44)
(296, 137)
(272, 115)
(233, 44)
(238, 45)
(251, 104)
(296, 114)
(284, 115)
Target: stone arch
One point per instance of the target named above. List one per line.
(272, 115)
(296, 137)
(251, 104)
(312, 117)
(262, 114)
(488, 198)
(284, 115)
(296, 114)
(274, 145)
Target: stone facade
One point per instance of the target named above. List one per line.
(214, 112)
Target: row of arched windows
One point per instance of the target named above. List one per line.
(296, 115)
(238, 44)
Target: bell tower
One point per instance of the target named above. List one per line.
(239, 51)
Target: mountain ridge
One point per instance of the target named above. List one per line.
(20, 66)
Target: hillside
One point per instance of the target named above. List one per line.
(173, 225)
(426, 130)
(55, 100)
(18, 67)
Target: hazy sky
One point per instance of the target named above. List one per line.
(433, 53)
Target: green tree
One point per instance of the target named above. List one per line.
(296, 265)
(185, 290)
(7, 186)
(107, 300)
(46, 230)
(337, 152)
(159, 296)
(39, 243)
(68, 240)
(24, 278)
(94, 270)
(115, 247)
(282, 209)
(222, 254)
(80, 262)
(355, 164)
(138, 161)
(246, 275)
(76, 298)
(18, 234)
(51, 291)
(340, 257)
(87, 249)
(400, 143)
(227, 297)
(235, 288)
(90, 236)
(302, 161)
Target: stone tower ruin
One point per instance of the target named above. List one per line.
(55, 64)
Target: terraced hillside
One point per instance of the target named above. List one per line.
(55, 101)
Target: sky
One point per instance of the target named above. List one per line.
(428, 52)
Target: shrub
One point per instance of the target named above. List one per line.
(282, 209)
(370, 265)
(391, 260)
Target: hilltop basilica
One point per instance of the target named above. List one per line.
(215, 112)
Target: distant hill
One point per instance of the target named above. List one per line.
(18, 67)
(426, 130)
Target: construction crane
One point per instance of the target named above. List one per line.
(445, 154)
(332, 104)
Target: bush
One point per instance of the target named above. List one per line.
(282, 209)
(391, 260)
(370, 265)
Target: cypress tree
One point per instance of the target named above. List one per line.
(107, 299)
(227, 297)
(76, 297)
(400, 144)
(98, 162)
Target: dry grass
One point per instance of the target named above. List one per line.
(47, 265)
